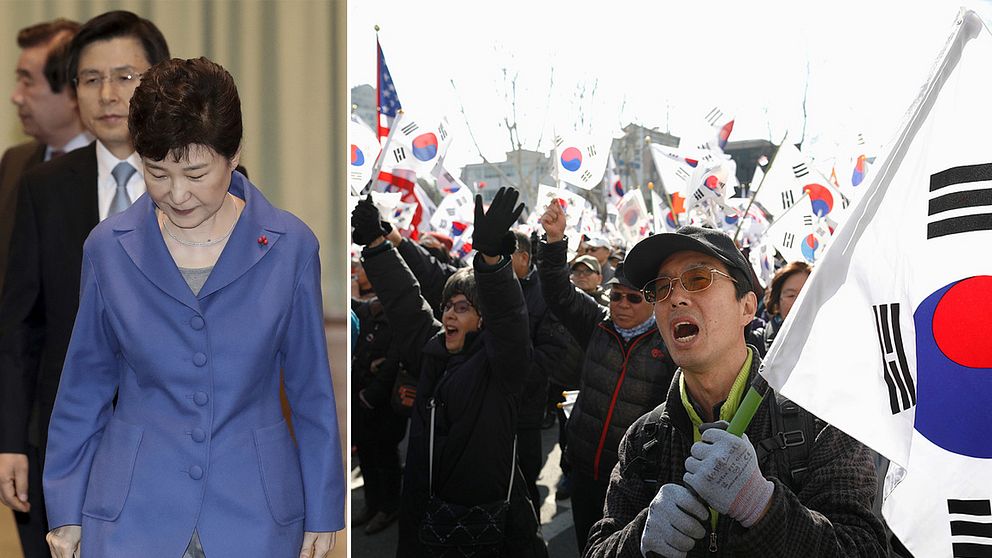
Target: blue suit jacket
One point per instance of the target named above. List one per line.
(197, 439)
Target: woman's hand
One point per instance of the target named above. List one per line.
(317, 545)
(64, 541)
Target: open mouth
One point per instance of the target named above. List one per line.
(685, 331)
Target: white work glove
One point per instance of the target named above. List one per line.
(674, 522)
(723, 470)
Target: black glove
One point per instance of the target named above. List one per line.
(366, 222)
(491, 235)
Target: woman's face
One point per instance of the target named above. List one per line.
(790, 290)
(191, 190)
(458, 324)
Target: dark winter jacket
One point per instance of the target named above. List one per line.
(549, 345)
(828, 515)
(549, 350)
(620, 380)
(373, 343)
(476, 391)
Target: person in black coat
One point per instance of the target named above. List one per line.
(626, 372)
(376, 428)
(471, 373)
(548, 338)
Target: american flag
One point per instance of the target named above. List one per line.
(389, 101)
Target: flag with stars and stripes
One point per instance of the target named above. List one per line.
(388, 100)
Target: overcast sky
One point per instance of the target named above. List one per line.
(659, 64)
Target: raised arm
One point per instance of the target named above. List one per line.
(409, 314)
(576, 310)
(504, 312)
(430, 273)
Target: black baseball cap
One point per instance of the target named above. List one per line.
(644, 259)
(620, 278)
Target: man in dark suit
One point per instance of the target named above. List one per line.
(48, 114)
(47, 111)
(58, 205)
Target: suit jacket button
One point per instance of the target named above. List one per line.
(196, 323)
(195, 472)
(199, 359)
(198, 435)
(200, 398)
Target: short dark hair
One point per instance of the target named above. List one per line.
(54, 69)
(181, 103)
(523, 241)
(774, 295)
(112, 25)
(44, 32)
(57, 33)
(461, 282)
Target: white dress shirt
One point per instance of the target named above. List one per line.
(81, 140)
(106, 186)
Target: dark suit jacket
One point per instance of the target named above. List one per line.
(56, 210)
(15, 161)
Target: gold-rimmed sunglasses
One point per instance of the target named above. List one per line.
(692, 280)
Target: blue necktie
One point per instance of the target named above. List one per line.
(122, 173)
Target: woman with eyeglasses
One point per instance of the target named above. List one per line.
(463, 494)
(167, 438)
(626, 370)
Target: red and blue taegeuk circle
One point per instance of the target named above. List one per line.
(425, 146)
(808, 247)
(821, 198)
(670, 220)
(954, 367)
(357, 157)
(571, 159)
(859, 171)
(712, 183)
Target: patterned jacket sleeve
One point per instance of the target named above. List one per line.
(618, 534)
(831, 516)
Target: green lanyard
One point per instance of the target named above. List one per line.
(727, 410)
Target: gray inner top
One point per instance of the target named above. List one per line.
(196, 277)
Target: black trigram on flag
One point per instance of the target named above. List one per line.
(800, 170)
(399, 154)
(591, 150)
(902, 390)
(442, 132)
(682, 173)
(973, 529)
(558, 141)
(409, 128)
(978, 194)
(585, 176)
(788, 239)
(808, 220)
(698, 194)
(787, 199)
(714, 115)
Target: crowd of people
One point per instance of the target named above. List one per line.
(661, 342)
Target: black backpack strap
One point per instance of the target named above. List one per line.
(647, 464)
(793, 432)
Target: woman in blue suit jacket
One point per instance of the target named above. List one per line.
(192, 301)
